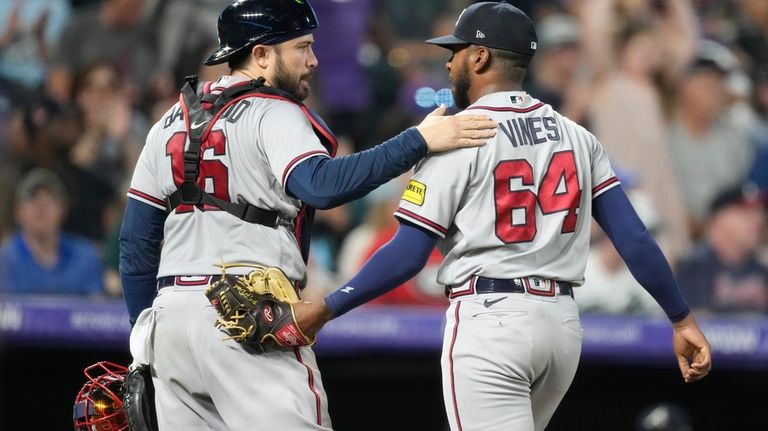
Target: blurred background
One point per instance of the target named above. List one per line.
(676, 91)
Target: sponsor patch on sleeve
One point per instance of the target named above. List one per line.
(415, 192)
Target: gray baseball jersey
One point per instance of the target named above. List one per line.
(518, 206)
(202, 379)
(272, 137)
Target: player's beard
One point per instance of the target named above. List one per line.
(296, 85)
(461, 86)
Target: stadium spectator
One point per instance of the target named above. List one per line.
(710, 147)
(627, 106)
(111, 31)
(555, 68)
(751, 25)
(113, 131)
(185, 32)
(43, 135)
(39, 258)
(723, 273)
(30, 29)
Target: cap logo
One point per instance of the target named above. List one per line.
(480, 35)
(533, 45)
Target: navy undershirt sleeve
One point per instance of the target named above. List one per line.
(393, 264)
(141, 236)
(324, 183)
(646, 262)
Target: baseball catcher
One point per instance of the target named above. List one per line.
(256, 309)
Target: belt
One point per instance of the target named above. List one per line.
(186, 280)
(532, 285)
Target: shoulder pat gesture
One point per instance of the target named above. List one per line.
(444, 133)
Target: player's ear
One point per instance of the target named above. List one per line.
(480, 59)
(262, 54)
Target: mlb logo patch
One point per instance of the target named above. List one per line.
(518, 100)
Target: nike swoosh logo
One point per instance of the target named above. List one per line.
(196, 125)
(488, 303)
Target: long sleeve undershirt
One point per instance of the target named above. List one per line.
(321, 182)
(406, 254)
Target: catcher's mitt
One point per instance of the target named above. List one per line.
(139, 400)
(256, 309)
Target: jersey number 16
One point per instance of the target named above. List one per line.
(212, 170)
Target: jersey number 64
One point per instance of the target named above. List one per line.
(558, 191)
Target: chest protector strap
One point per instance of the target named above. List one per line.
(201, 112)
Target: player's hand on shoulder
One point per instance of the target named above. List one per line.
(694, 354)
(448, 132)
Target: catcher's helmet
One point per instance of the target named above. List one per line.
(245, 23)
(99, 404)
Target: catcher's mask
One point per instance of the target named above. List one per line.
(99, 404)
(244, 23)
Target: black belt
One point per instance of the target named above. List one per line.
(172, 280)
(540, 287)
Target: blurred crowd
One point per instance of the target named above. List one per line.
(676, 91)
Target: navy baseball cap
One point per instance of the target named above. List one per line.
(496, 25)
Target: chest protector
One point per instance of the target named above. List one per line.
(201, 109)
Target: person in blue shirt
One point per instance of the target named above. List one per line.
(40, 258)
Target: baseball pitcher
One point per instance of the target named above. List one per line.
(512, 220)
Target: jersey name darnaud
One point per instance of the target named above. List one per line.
(518, 206)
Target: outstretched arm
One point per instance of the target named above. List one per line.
(618, 218)
(394, 263)
(140, 239)
(325, 183)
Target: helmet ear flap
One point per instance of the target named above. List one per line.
(99, 403)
